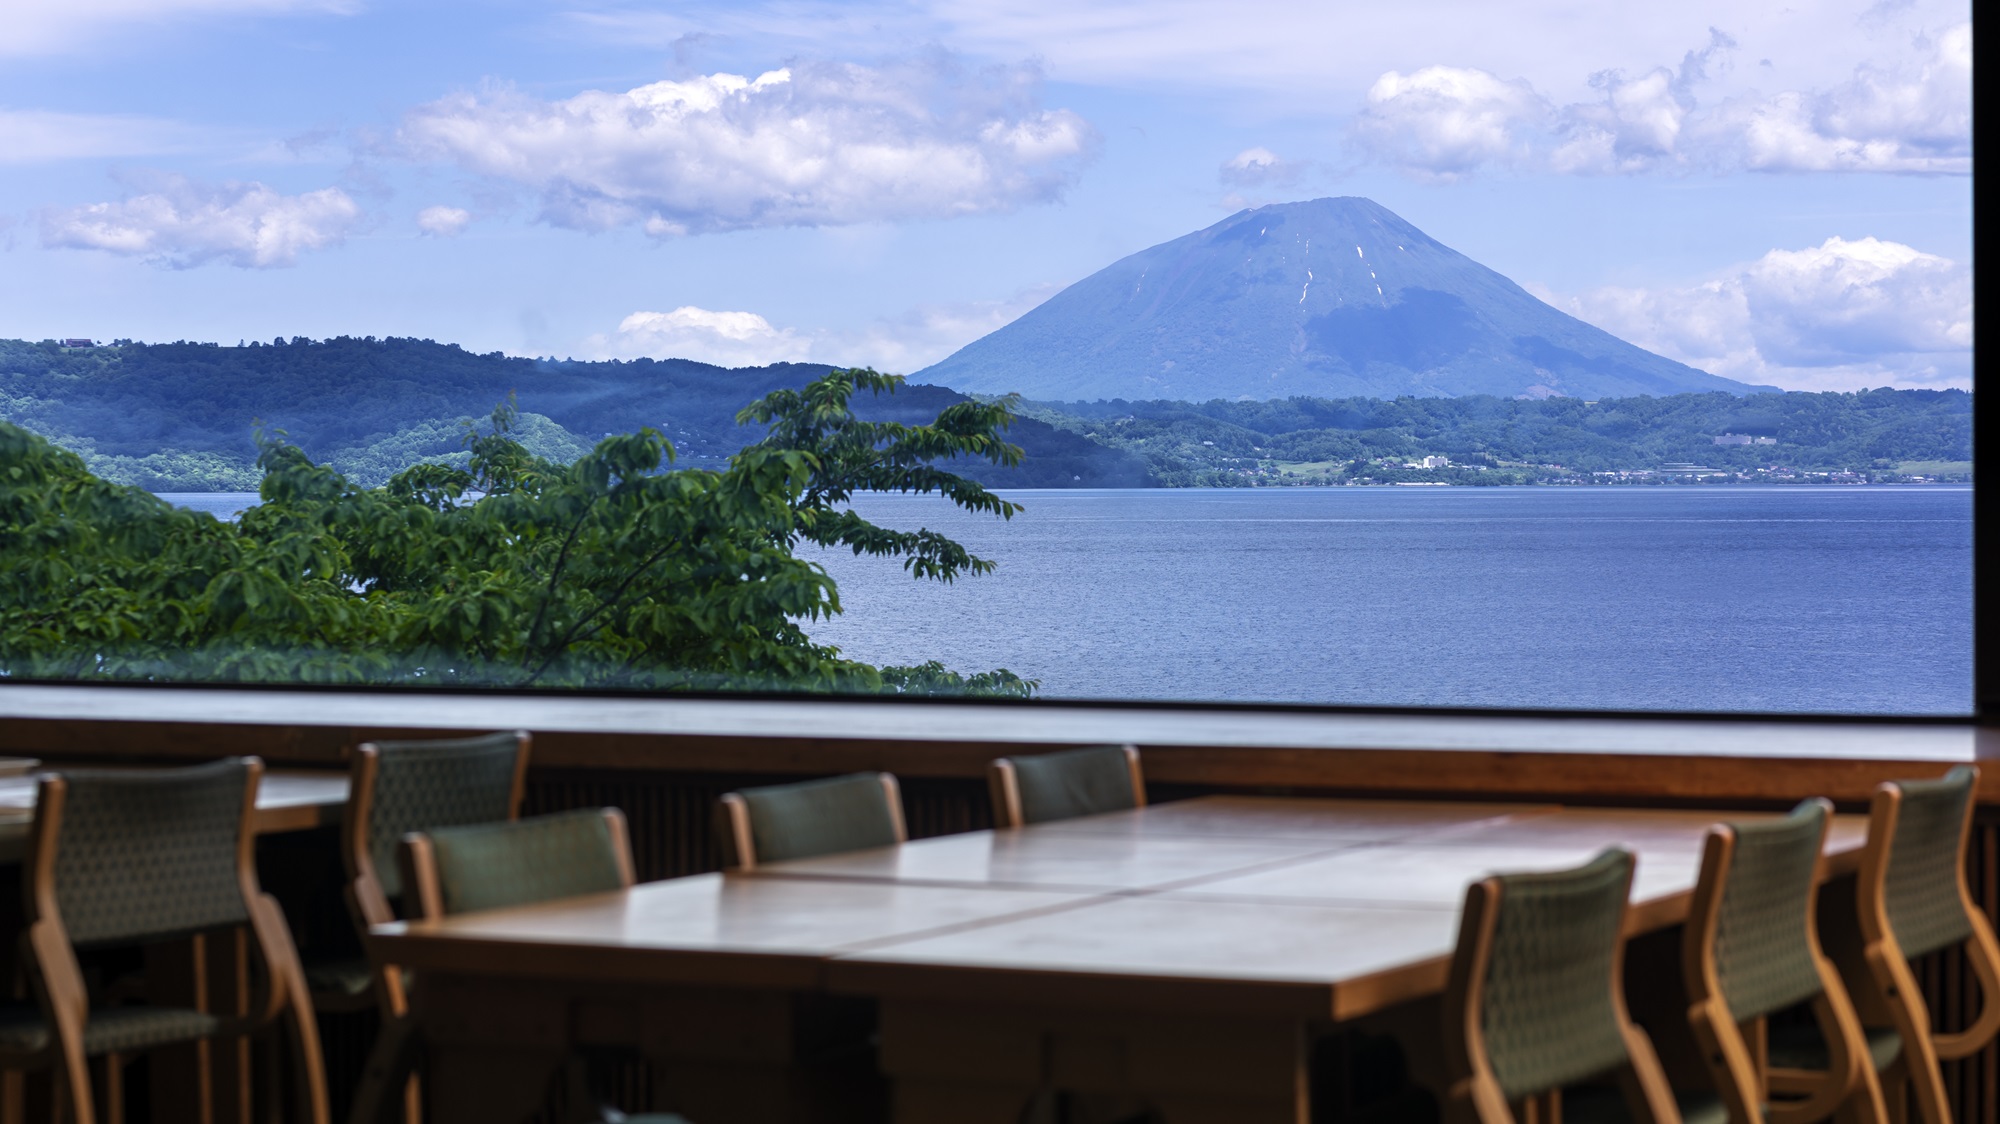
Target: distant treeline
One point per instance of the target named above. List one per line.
(1219, 442)
(181, 417)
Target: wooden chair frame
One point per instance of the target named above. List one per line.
(1003, 786)
(59, 986)
(1473, 1094)
(367, 903)
(1883, 985)
(1737, 1051)
(739, 844)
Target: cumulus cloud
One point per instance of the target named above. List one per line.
(442, 221)
(1637, 123)
(1442, 122)
(1260, 167)
(184, 224)
(1837, 316)
(726, 339)
(1911, 114)
(1916, 117)
(900, 343)
(816, 144)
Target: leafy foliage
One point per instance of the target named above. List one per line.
(510, 570)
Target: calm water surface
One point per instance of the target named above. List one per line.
(1702, 598)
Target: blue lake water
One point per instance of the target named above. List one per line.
(1813, 599)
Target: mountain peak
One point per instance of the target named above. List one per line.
(1334, 297)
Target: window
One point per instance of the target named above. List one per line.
(1364, 360)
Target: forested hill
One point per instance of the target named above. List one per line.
(180, 416)
(1876, 435)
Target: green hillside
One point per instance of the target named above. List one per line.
(182, 416)
(1877, 434)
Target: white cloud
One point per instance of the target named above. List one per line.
(34, 136)
(1907, 114)
(1912, 117)
(1442, 122)
(184, 224)
(1260, 167)
(442, 221)
(726, 339)
(1637, 123)
(816, 144)
(1837, 316)
(903, 343)
(36, 27)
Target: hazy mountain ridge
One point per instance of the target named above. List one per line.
(180, 416)
(1331, 298)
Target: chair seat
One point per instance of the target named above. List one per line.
(111, 1030)
(1799, 1046)
(1598, 1105)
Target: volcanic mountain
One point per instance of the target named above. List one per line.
(1330, 298)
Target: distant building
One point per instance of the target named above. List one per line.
(79, 343)
(1742, 439)
(1430, 462)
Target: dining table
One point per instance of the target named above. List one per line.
(1183, 957)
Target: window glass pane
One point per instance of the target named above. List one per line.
(1273, 352)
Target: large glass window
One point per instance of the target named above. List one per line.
(1276, 353)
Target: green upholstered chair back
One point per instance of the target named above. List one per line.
(1763, 950)
(1547, 1012)
(150, 854)
(516, 862)
(824, 817)
(424, 785)
(1921, 885)
(1074, 782)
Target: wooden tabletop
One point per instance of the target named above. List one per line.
(1307, 908)
(287, 800)
(709, 929)
(1349, 930)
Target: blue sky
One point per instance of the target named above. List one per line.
(1777, 193)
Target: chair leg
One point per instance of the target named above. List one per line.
(1913, 1022)
(388, 1077)
(113, 1104)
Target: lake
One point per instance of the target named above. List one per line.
(1800, 599)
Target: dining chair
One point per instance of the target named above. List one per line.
(1751, 950)
(1910, 900)
(1534, 1005)
(821, 817)
(473, 867)
(1065, 784)
(122, 859)
(398, 787)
